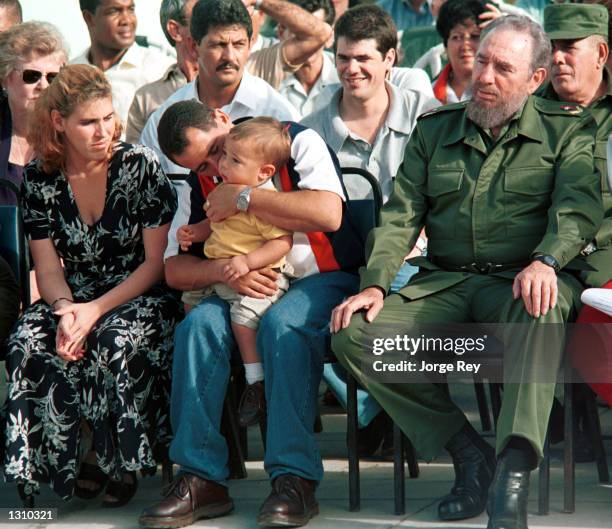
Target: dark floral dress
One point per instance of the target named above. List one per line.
(122, 385)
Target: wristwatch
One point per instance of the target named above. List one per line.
(548, 260)
(244, 199)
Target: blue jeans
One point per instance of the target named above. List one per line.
(335, 375)
(292, 341)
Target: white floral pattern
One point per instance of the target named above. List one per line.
(122, 385)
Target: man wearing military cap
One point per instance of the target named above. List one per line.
(580, 42)
(579, 35)
(507, 191)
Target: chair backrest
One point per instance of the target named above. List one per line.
(363, 207)
(13, 245)
(415, 42)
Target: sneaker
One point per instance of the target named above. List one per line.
(252, 407)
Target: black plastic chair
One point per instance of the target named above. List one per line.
(364, 214)
(13, 246)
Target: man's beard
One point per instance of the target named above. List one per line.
(494, 116)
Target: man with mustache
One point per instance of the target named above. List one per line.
(507, 191)
(222, 32)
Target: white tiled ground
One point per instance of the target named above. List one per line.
(593, 500)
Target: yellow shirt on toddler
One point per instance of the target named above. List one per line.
(241, 234)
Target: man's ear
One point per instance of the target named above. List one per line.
(221, 118)
(537, 78)
(172, 27)
(88, 17)
(57, 120)
(266, 171)
(603, 52)
(390, 57)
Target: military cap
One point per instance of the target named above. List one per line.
(575, 21)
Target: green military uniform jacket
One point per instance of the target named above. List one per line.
(601, 260)
(533, 190)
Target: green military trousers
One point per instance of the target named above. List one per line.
(424, 411)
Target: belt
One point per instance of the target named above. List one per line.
(481, 268)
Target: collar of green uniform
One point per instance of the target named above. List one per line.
(528, 125)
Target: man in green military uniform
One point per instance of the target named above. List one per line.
(579, 35)
(506, 188)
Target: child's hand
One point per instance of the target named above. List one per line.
(237, 267)
(185, 237)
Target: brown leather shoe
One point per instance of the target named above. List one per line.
(187, 499)
(252, 407)
(290, 504)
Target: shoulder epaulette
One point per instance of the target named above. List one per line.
(443, 108)
(558, 108)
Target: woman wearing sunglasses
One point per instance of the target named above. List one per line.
(94, 354)
(31, 54)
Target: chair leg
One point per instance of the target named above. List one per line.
(167, 472)
(483, 409)
(544, 481)
(399, 478)
(594, 433)
(263, 430)
(495, 393)
(229, 429)
(569, 467)
(413, 464)
(353, 458)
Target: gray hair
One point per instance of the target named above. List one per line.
(541, 50)
(26, 41)
(172, 10)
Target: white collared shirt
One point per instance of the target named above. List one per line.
(306, 103)
(254, 97)
(137, 67)
(384, 156)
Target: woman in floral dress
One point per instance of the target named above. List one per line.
(94, 354)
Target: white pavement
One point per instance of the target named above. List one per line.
(593, 500)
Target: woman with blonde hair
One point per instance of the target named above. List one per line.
(95, 352)
(31, 55)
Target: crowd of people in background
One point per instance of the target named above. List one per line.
(188, 213)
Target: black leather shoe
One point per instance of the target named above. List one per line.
(474, 463)
(370, 438)
(187, 499)
(290, 504)
(252, 407)
(507, 504)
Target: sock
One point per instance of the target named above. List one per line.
(520, 455)
(253, 372)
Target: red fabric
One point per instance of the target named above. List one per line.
(592, 351)
(320, 244)
(440, 86)
(207, 184)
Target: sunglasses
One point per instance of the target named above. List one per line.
(33, 76)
